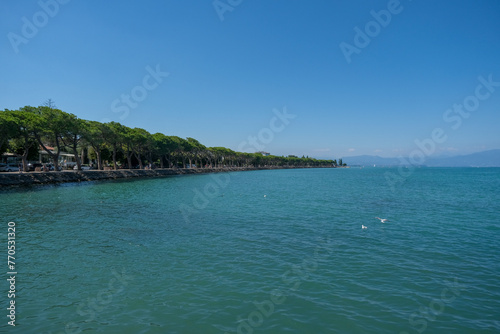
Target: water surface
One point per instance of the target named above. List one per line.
(278, 251)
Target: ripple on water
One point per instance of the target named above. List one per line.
(303, 241)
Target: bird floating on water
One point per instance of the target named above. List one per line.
(382, 220)
(363, 226)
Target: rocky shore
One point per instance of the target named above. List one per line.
(41, 178)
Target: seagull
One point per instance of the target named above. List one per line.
(265, 195)
(363, 226)
(382, 220)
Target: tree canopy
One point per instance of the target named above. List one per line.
(24, 130)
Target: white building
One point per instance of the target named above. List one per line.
(65, 159)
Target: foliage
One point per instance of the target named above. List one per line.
(23, 130)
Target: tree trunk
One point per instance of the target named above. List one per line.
(77, 158)
(129, 160)
(138, 156)
(25, 161)
(114, 158)
(54, 156)
(150, 158)
(82, 158)
(24, 158)
(99, 159)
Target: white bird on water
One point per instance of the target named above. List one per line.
(363, 226)
(382, 220)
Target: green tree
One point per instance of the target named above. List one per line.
(164, 148)
(197, 150)
(72, 134)
(51, 127)
(127, 135)
(114, 137)
(176, 145)
(217, 155)
(22, 137)
(7, 129)
(142, 144)
(94, 134)
(185, 152)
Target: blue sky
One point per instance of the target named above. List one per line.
(225, 77)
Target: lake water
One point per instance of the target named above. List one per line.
(279, 251)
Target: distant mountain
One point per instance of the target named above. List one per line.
(489, 158)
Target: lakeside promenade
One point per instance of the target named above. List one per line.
(14, 179)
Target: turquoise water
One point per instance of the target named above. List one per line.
(278, 251)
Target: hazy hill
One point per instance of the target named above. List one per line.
(489, 158)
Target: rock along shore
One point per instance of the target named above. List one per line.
(41, 178)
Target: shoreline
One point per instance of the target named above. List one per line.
(16, 179)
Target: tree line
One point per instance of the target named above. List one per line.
(26, 130)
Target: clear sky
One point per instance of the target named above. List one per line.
(234, 64)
